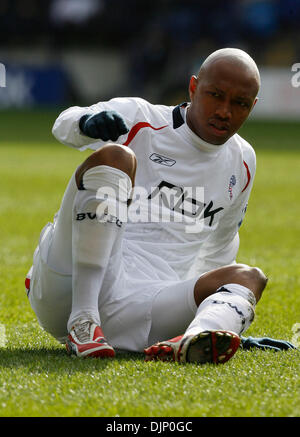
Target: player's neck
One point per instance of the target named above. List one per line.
(196, 140)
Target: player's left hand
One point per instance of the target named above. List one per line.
(266, 343)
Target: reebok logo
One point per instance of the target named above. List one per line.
(183, 202)
(163, 160)
(166, 203)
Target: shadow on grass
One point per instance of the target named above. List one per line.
(41, 360)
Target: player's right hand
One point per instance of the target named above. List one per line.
(106, 125)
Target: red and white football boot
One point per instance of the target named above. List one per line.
(86, 339)
(206, 347)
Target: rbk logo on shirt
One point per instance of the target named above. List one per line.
(163, 160)
(180, 200)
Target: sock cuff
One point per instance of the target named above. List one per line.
(91, 315)
(240, 290)
(102, 176)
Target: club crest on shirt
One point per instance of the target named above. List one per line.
(163, 160)
(232, 183)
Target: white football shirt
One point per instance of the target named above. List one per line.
(193, 182)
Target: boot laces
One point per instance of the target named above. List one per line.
(83, 332)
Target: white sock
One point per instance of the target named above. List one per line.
(60, 251)
(231, 310)
(94, 234)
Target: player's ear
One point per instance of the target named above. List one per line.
(193, 86)
(254, 103)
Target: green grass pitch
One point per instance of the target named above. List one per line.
(37, 378)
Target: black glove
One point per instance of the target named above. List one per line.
(266, 343)
(106, 125)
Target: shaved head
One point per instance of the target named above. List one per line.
(222, 94)
(236, 59)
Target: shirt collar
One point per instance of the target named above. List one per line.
(194, 139)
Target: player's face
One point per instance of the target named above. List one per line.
(220, 103)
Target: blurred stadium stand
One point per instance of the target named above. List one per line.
(62, 52)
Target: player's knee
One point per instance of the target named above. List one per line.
(115, 154)
(112, 155)
(253, 278)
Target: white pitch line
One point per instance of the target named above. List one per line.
(3, 338)
(296, 337)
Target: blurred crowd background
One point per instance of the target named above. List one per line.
(61, 52)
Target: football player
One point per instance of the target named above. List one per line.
(111, 272)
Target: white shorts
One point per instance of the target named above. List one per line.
(137, 305)
(135, 314)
